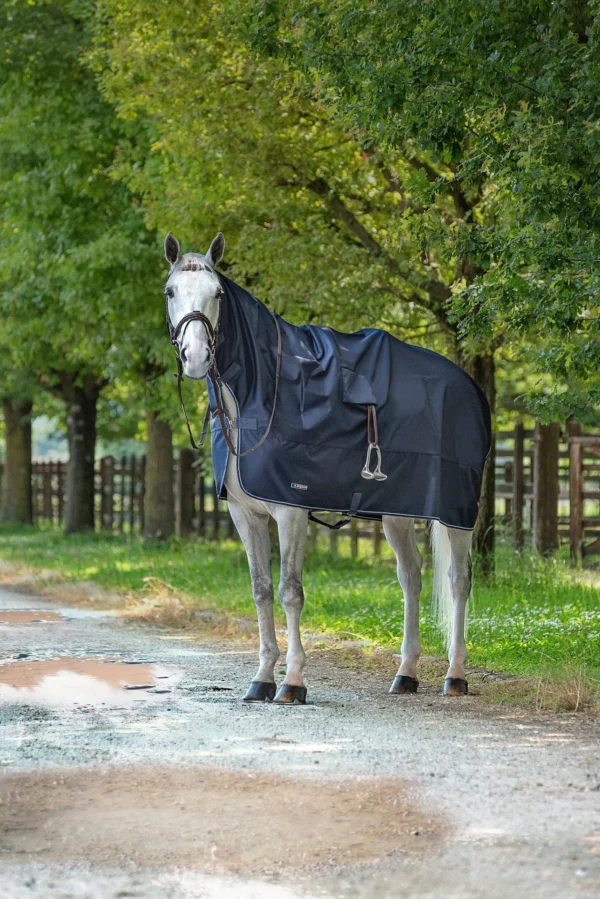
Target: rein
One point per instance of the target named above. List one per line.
(213, 373)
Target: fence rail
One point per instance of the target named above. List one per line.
(120, 486)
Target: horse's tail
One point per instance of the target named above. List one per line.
(442, 588)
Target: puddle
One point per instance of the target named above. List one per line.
(88, 613)
(22, 616)
(84, 682)
(210, 819)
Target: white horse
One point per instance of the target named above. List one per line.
(193, 286)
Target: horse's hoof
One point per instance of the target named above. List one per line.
(258, 691)
(289, 695)
(455, 686)
(404, 684)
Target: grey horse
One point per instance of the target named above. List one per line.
(193, 287)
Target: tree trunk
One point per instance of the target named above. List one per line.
(81, 429)
(545, 488)
(483, 371)
(159, 507)
(16, 504)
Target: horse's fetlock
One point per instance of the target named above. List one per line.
(269, 653)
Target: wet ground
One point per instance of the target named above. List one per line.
(130, 767)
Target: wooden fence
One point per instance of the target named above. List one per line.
(566, 500)
(119, 501)
(573, 489)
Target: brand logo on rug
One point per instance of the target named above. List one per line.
(299, 486)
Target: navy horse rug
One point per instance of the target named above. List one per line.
(361, 424)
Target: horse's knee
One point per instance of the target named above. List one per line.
(291, 593)
(460, 581)
(262, 590)
(409, 577)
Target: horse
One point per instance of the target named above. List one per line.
(209, 316)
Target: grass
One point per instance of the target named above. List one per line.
(539, 619)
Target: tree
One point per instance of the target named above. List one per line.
(502, 97)
(16, 499)
(77, 262)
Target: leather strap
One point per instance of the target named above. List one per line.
(354, 504)
(372, 429)
(179, 376)
(332, 527)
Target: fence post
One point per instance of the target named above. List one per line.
(377, 539)
(131, 496)
(518, 482)
(141, 486)
(107, 486)
(216, 511)
(508, 479)
(545, 488)
(61, 491)
(201, 522)
(333, 536)
(354, 538)
(122, 492)
(55, 488)
(575, 499)
(47, 490)
(184, 502)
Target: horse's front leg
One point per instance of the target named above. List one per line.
(400, 534)
(292, 524)
(253, 528)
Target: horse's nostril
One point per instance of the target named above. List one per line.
(183, 355)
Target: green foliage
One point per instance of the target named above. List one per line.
(318, 225)
(427, 167)
(78, 266)
(504, 95)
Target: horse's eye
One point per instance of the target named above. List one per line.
(170, 292)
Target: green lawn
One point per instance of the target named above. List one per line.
(539, 617)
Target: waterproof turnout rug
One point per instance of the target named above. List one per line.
(338, 393)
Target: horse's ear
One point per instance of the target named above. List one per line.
(172, 251)
(217, 248)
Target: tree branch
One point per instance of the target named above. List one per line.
(437, 291)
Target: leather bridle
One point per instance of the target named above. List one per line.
(213, 373)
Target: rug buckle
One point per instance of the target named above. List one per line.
(377, 474)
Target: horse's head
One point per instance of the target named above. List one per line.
(193, 286)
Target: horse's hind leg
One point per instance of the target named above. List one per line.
(455, 683)
(253, 528)
(292, 523)
(400, 534)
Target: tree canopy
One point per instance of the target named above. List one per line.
(76, 258)
(502, 98)
(430, 168)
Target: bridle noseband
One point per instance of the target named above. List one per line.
(191, 317)
(213, 373)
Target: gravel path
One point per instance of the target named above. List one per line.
(107, 792)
